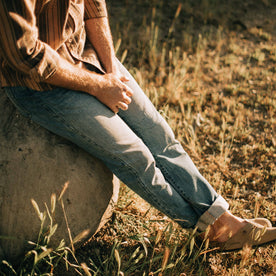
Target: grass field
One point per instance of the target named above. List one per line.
(209, 67)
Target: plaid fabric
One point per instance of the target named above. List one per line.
(33, 33)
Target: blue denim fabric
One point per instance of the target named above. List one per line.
(137, 145)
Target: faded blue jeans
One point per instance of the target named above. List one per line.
(137, 145)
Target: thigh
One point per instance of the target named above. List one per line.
(143, 118)
(85, 121)
(170, 157)
(76, 116)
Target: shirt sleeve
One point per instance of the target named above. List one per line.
(94, 9)
(19, 43)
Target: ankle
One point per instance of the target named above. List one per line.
(225, 227)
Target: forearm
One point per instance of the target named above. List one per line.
(98, 33)
(107, 88)
(72, 77)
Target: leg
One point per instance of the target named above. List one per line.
(85, 121)
(170, 157)
(181, 173)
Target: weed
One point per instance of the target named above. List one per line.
(212, 76)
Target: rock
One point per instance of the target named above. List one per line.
(34, 164)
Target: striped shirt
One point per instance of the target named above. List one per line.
(33, 33)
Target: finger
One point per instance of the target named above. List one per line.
(122, 105)
(124, 79)
(127, 99)
(128, 91)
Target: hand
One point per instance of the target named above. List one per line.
(113, 69)
(114, 93)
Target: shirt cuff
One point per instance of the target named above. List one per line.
(47, 65)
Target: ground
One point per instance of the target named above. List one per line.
(209, 68)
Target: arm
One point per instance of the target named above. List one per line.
(19, 43)
(109, 89)
(20, 46)
(99, 34)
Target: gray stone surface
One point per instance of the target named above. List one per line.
(34, 164)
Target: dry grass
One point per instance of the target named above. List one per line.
(209, 68)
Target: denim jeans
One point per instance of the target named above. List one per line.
(137, 145)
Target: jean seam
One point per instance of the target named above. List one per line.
(136, 175)
(171, 179)
(178, 188)
(147, 116)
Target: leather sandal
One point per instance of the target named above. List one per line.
(252, 234)
(262, 221)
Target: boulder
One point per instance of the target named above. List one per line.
(34, 165)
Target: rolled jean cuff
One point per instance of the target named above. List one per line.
(219, 207)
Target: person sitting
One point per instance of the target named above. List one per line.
(58, 67)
